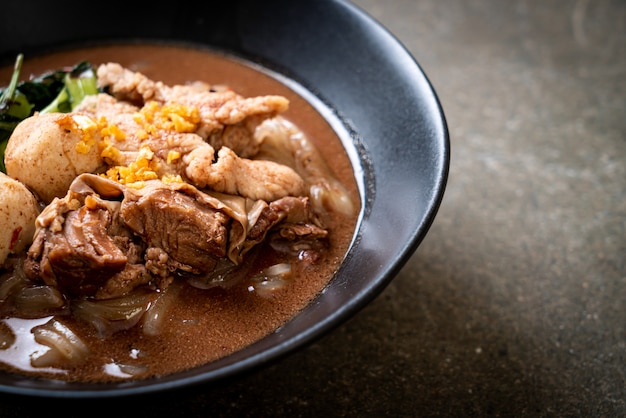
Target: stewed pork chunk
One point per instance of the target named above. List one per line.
(104, 239)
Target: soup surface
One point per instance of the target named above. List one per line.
(200, 324)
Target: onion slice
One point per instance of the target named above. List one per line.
(7, 337)
(38, 301)
(111, 315)
(157, 311)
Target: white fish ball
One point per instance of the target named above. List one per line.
(47, 151)
(18, 210)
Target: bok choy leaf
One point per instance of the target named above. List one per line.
(54, 91)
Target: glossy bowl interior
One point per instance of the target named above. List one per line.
(374, 92)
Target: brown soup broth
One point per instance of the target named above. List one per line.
(206, 324)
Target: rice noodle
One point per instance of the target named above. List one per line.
(65, 346)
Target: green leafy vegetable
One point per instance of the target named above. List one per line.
(54, 91)
(13, 108)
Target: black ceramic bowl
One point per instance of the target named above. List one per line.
(377, 96)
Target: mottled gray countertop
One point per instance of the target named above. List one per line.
(515, 303)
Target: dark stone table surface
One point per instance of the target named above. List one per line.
(515, 303)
